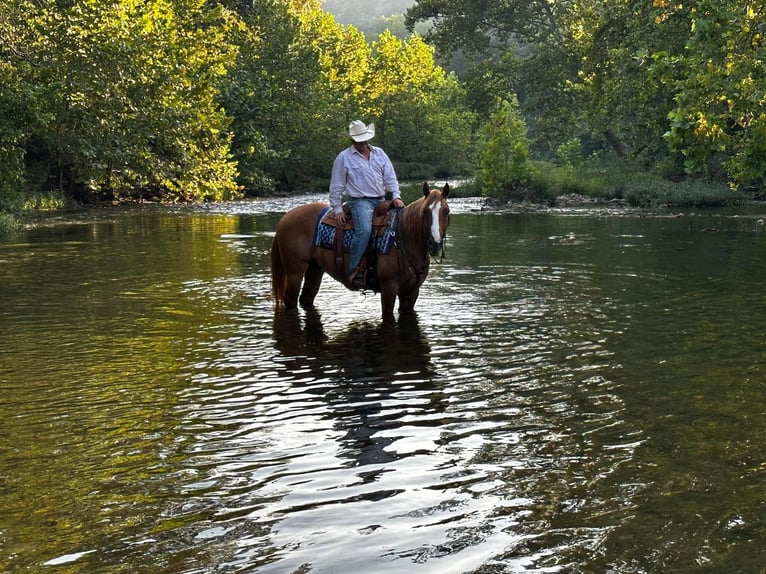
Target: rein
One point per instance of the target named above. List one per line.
(405, 263)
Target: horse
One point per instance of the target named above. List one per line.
(420, 235)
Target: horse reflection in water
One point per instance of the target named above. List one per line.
(364, 367)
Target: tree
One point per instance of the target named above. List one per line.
(504, 151)
(131, 89)
(433, 138)
(512, 47)
(21, 109)
(485, 27)
(396, 84)
(718, 121)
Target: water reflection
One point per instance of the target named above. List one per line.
(364, 350)
(375, 362)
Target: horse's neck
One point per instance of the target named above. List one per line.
(414, 238)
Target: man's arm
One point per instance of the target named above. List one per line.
(390, 183)
(337, 184)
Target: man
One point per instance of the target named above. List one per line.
(364, 174)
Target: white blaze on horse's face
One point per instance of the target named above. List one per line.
(435, 231)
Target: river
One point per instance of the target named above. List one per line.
(579, 391)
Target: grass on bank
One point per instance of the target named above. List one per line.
(35, 202)
(603, 181)
(640, 188)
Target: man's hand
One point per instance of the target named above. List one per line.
(340, 218)
(398, 203)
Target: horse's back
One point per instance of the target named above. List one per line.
(301, 216)
(295, 230)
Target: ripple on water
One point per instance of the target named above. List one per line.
(456, 439)
(573, 395)
(483, 432)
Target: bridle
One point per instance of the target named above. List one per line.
(433, 249)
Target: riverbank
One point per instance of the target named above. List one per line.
(558, 189)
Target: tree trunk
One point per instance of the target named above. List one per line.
(617, 145)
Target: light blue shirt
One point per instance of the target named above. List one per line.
(357, 176)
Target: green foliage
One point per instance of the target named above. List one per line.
(481, 27)
(20, 108)
(180, 100)
(568, 153)
(137, 96)
(419, 111)
(47, 201)
(602, 179)
(121, 97)
(595, 178)
(8, 224)
(188, 100)
(435, 132)
(504, 151)
(272, 93)
(650, 191)
(12, 182)
(718, 121)
(664, 83)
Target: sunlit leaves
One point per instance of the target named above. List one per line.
(419, 111)
(284, 105)
(718, 121)
(131, 90)
(399, 67)
(165, 99)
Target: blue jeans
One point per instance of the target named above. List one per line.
(362, 210)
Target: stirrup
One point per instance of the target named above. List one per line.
(357, 280)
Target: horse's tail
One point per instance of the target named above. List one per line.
(278, 276)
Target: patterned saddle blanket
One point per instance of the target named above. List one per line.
(381, 239)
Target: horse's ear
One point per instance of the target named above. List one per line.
(445, 190)
(426, 189)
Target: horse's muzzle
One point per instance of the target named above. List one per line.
(435, 247)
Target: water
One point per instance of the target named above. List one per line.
(578, 392)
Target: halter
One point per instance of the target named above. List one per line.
(434, 248)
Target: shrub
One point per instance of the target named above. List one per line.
(503, 153)
(8, 224)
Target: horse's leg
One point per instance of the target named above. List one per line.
(407, 300)
(388, 298)
(294, 272)
(311, 282)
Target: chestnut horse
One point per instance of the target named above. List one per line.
(420, 235)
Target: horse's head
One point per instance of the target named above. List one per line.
(436, 205)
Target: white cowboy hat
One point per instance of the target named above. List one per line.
(360, 132)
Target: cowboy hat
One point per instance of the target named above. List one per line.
(360, 132)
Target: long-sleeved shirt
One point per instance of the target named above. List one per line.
(357, 176)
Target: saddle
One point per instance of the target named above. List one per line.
(380, 218)
(381, 237)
